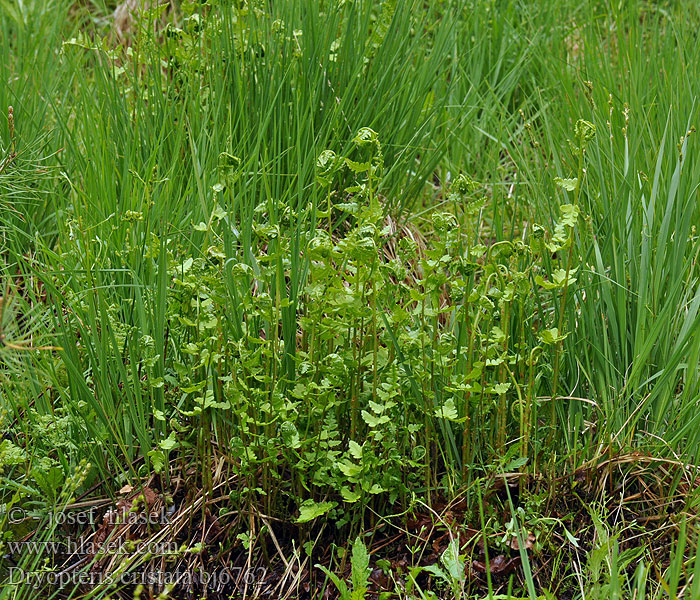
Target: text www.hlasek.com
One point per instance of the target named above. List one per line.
(86, 547)
(215, 580)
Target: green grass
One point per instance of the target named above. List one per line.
(419, 275)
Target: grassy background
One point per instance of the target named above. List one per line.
(199, 300)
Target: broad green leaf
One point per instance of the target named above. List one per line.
(157, 460)
(349, 495)
(169, 443)
(359, 566)
(500, 388)
(310, 510)
(357, 167)
(515, 464)
(551, 336)
(373, 421)
(452, 562)
(290, 435)
(376, 489)
(568, 184)
(349, 469)
(447, 411)
(355, 449)
(438, 572)
(569, 214)
(548, 285)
